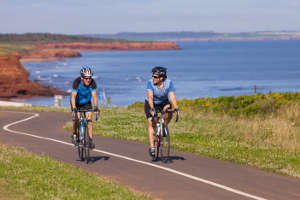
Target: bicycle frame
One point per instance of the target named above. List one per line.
(83, 134)
(162, 137)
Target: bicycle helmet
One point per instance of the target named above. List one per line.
(160, 71)
(86, 71)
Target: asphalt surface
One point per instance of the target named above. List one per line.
(187, 176)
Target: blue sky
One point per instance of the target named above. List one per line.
(113, 16)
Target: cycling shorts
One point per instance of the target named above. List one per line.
(85, 106)
(157, 107)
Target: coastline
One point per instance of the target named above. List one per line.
(16, 84)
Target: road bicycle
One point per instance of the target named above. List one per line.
(162, 136)
(83, 145)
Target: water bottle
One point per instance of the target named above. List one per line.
(158, 128)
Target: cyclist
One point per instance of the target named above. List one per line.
(159, 91)
(83, 91)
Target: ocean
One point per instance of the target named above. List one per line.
(198, 69)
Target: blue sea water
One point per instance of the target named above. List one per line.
(198, 69)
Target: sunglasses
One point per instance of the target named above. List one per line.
(155, 76)
(87, 78)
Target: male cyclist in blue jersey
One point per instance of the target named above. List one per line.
(83, 92)
(160, 91)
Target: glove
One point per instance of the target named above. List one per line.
(73, 114)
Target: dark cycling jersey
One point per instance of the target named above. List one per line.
(160, 95)
(84, 93)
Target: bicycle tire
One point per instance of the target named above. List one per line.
(165, 144)
(80, 145)
(87, 144)
(156, 146)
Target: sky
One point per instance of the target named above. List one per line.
(114, 16)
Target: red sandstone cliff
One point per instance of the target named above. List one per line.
(48, 54)
(113, 45)
(62, 50)
(14, 80)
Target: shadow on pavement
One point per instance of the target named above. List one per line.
(96, 158)
(169, 160)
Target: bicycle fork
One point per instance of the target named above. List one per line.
(158, 133)
(82, 122)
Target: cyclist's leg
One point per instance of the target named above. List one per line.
(151, 125)
(90, 123)
(90, 129)
(75, 136)
(168, 115)
(150, 132)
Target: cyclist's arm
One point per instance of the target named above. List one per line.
(173, 99)
(95, 98)
(150, 98)
(73, 101)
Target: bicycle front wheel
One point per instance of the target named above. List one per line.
(87, 145)
(157, 147)
(81, 153)
(165, 144)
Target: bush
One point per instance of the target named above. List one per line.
(244, 105)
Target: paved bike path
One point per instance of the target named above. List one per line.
(187, 177)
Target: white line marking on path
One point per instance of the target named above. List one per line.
(131, 159)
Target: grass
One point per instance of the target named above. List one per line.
(269, 142)
(268, 138)
(25, 175)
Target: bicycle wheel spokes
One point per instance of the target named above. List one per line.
(165, 144)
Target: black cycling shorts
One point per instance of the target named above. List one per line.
(85, 106)
(157, 107)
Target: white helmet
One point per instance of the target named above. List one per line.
(86, 71)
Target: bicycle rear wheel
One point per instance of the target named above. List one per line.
(165, 144)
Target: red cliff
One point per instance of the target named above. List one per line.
(49, 54)
(113, 45)
(14, 80)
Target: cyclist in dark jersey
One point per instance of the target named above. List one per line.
(159, 91)
(83, 92)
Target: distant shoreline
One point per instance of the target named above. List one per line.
(233, 39)
(202, 36)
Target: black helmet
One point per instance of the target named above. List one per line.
(86, 71)
(160, 71)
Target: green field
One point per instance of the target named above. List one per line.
(261, 130)
(25, 175)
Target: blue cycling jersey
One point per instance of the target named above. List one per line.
(160, 95)
(84, 93)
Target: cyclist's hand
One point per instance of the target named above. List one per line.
(73, 114)
(97, 110)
